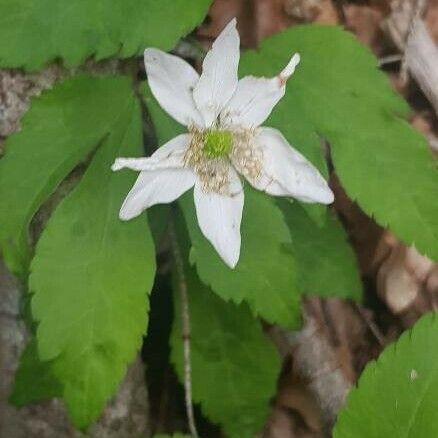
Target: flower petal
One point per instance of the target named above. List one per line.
(219, 218)
(219, 76)
(287, 173)
(172, 81)
(171, 154)
(255, 98)
(156, 187)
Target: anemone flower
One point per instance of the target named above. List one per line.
(224, 142)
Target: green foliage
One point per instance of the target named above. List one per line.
(60, 130)
(325, 261)
(338, 93)
(34, 380)
(397, 395)
(91, 272)
(265, 276)
(33, 33)
(234, 367)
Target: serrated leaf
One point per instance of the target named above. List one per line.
(34, 379)
(326, 263)
(234, 367)
(90, 277)
(62, 127)
(397, 395)
(265, 276)
(337, 92)
(76, 30)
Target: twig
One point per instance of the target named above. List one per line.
(185, 330)
(420, 50)
(422, 58)
(390, 59)
(371, 326)
(418, 10)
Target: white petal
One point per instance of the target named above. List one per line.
(287, 173)
(255, 98)
(171, 154)
(172, 81)
(156, 187)
(219, 219)
(219, 76)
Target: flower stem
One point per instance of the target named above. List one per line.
(185, 329)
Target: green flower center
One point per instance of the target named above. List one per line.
(217, 143)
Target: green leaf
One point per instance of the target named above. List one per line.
(326, 263)
(338, 93)
(61, 129)
(34, 379)
(397, 395)
(234, 367)
(90, 276)
(76, 30)
(265, 276)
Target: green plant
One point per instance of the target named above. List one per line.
(89, 274)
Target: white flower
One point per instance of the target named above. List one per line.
(223, 117)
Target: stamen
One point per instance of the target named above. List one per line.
(211, 170)
(212, 152)
(246, 156)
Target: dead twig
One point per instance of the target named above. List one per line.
(373, 328)
(390, 59)
(417, 13)
(422, 60)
